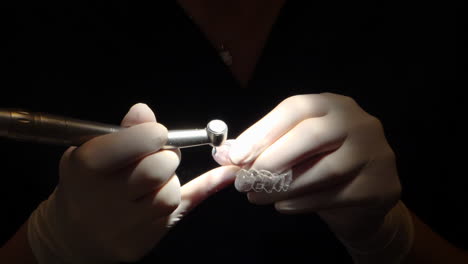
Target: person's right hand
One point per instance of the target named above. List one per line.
(117, 196)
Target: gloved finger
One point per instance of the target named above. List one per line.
(339, 196)
(312, 175)
(309, 138)
(324, 200)
(117, 150)
(160, 202)
(143, 239)
(355, 191)
(280, 120)
(202, 187)
(138, 113)
(143, 236)
(148, 209)
(151, 173)
(221, 154)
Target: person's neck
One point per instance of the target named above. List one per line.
(229, 10)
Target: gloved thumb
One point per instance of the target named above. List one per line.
(202, 187)
(138, 113)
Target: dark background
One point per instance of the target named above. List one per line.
(401, 62)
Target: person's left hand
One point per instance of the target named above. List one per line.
(343, 167)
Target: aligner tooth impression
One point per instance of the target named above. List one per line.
(262, 180)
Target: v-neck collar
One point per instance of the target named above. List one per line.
(214, 52)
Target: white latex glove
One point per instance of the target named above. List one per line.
(117, 196)
(343, 168)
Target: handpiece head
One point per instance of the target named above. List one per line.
(217, 132)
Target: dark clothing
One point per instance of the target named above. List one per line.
(93, 61)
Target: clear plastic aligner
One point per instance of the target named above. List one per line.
(262, 180)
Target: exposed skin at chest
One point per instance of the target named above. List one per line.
(242, 27)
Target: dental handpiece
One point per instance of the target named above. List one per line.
(60, 130)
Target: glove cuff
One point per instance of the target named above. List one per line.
(46, 236)
(391, 244)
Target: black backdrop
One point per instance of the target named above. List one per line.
(400, 61)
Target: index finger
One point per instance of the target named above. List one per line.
(250, 144)
(199, 189)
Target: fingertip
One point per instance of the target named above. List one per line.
(257, 198)
(66, 156)
(155, 133)
(251, 198)
(284, 208)
(139, 105)
(146, 137)
(221, 154)
(138, 113)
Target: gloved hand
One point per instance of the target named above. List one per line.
(117, 196)
(343, 169)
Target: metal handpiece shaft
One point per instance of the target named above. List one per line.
(186, 138)
(53, 129)
(50, 129)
